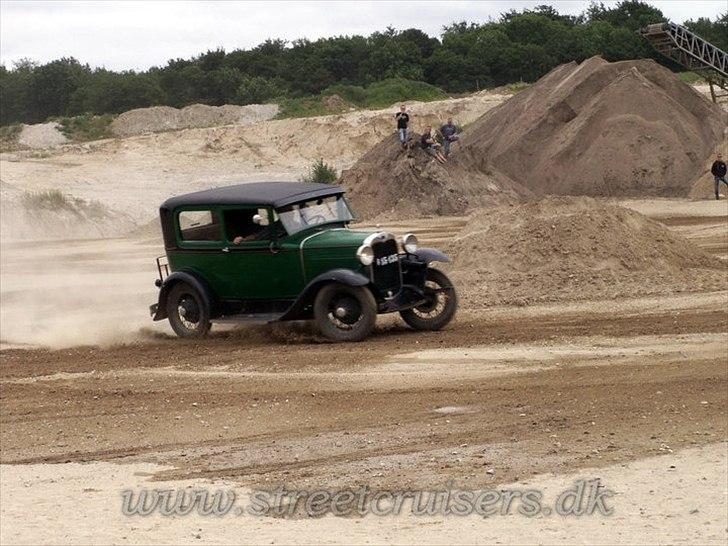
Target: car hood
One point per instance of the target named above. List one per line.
(335, 237)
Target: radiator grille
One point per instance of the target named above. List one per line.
(386, 268)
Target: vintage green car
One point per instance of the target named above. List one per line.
(279, 251)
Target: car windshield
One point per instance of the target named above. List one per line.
(304, 215)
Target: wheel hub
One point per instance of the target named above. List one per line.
(189, 310)
(346, 309)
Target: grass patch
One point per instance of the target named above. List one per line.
(9, 137)
(320, 173)
(303, 107)
(510, 88)
(377, 95)
(691, 78)
(86, 127)
(56, 200)
(387, 92)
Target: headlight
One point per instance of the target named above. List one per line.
(365, 254)
(410, 243)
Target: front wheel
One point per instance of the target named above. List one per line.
(188, 314)
(440, 305)
(345, 313)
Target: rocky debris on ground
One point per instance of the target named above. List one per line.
(165, 118)
(570, 248)
(41, 135)
(628, 128)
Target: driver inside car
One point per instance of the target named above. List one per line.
(247, 225)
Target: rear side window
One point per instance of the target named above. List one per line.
(199, 225)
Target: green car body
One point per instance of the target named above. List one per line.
(296, 240)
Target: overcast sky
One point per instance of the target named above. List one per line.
(137, 35)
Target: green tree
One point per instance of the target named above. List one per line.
(52, 85)
(256, 90)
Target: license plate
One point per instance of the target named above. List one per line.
(386, 260)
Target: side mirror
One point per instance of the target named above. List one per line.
(257, 219)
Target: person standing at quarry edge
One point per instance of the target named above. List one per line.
(449, 135)
(402, 118)
(718, 170)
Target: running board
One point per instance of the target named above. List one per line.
(248, 318)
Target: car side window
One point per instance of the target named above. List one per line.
(199, 225)
(247, 225)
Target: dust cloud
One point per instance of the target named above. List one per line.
(67, 293)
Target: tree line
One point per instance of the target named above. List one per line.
(518, 46)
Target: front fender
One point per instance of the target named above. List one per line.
(297, 310)
(197, 282)
(428, 255)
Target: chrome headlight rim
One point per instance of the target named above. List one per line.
(365, 254)
(410, 243)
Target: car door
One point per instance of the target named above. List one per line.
(256, 266)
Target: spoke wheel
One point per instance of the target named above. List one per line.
(345, 313)
(188, 314)
(439, 307)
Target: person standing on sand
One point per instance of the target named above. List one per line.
(449, 135)
(718, 171)
(402, 118)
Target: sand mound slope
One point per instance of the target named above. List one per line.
(165, 118)
(630, 128)
(574, 248)
(388, 180)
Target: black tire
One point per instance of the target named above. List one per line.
(188, 314)
(345, 313)
(441, 306)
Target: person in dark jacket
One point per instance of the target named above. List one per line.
(402, 118)
(449, 135)
(718, 170)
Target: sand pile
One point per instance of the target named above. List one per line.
(41, 135)
(390, 182)
(599, 128)
(165, 118)
(564, 248)
(595, 128)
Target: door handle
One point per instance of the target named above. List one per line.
(226, 249)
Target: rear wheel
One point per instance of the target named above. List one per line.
(439, 307)
(188, 314)
(345, 313)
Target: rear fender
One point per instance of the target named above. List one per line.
(197, 282)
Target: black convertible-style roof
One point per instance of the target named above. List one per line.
(274, 194)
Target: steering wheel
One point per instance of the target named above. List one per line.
(312, 219)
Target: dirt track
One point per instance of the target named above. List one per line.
(518, 391)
